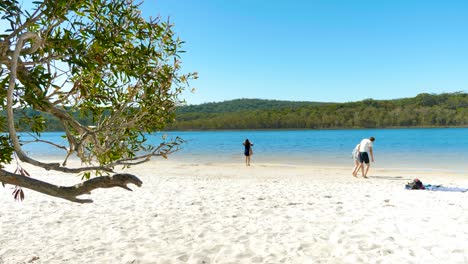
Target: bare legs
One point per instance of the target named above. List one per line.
(361, 166)
(364, 171)
(356, 167)
(247, 160)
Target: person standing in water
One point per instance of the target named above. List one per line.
(247, 151)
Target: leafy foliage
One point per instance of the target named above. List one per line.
(6, 150)
(97, 70)
(99, 60)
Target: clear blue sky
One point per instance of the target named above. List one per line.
(319, 50)
(328, 50)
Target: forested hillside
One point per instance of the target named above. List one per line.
(424, 110)
(240, 105)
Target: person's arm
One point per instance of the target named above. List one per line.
(371, 154)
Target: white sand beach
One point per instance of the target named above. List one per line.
(230, 213)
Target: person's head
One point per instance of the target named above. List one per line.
(372, 139)
(247, 141)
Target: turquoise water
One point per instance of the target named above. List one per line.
(429, 149)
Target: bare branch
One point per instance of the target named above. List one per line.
(44, 141)
(71, 193)
(145, 158)
(11, 87)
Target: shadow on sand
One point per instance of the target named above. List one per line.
(392, 178)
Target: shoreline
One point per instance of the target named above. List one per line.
(205, 160)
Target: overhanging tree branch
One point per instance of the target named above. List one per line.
(70, 193)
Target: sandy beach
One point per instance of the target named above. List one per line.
(230, 213)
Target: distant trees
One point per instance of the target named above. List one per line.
(98, 71)
(424, 110)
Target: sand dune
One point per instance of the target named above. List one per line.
(229, 213)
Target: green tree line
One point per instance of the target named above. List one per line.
(424, 110)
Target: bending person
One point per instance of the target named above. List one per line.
(365, 149)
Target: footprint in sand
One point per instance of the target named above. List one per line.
(183, 257)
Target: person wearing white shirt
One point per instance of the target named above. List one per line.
(365, 149)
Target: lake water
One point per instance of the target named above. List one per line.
(435, 149)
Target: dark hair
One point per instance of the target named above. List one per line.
(372, 139)
(247, 142)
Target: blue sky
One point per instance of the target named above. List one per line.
(319, 50)
(329, 50)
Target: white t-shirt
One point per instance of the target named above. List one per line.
(365, 145)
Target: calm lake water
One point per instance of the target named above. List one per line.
(429, 149)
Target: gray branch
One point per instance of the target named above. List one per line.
(71, 193)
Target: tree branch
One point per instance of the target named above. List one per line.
(145, 158)
(34, 17)
(11, 125)
(71, 193)
(11, 88)
(44, 141)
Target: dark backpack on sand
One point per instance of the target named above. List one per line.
(416, 184)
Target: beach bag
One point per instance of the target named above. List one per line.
(416, 184)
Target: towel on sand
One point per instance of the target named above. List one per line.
(431, 187)
(416, 184)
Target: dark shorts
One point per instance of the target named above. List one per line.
(246, 153)
(363, 157)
